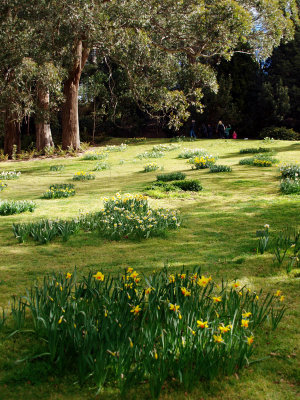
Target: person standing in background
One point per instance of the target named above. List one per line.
(227, 131)
(209, 131)
(192, 130)
(221, 130)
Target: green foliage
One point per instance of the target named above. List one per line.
(254, 150)
(171, 176)
(220, 168)
(60, 190)
(10, 207)
(192, 185)
(83, 176)
(151, 154)
(291, 171)
(2, 186)
(128, 217)
(191, 153)
(8, 175)
(135, 140)
(165, 147)
(290, 186)
(281, 133)
(102, 166)
(124, 330)
(261, 160)
(153, 166)
(113, 148)
(94, 155)
(57, 167)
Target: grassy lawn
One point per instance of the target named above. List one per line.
(217, 233)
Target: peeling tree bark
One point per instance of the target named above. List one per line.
(42, 125)
(70, 120)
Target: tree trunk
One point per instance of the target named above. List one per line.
(42, 126)
(70, 120)
(11, 133)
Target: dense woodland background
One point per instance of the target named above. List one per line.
(145, 76)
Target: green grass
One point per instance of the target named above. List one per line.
(217, 233)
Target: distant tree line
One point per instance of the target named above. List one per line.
(112, 66)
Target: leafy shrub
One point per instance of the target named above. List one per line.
(83, 176)
(290, 186)
(2, 186)
(171, 176)
(151, 154)
(281, 133)
(162, 186)
(254, 150)
(291, 171)
(8, 175)
(183, 326)
(153, 166)
(129, 217)
(178, 139)
(94, 155)
(192, 153)
(192, 185)
(202, 162)
(57, 167)
(84, 146)
(58, 191)
(10, 207)
(268, 140)
(220, 168)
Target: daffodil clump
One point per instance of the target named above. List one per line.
(153, 166)
(58, 191)
(94, 155)
(151, 154)
(114, 148)
(8, 175)
(180, 326)
(166, 147)
(127, 217)
(202, 162)
(58, 167)
(10, 207)
(83, 176)
(262, 163)
(192, 153)
(2, 186)
(290, 175)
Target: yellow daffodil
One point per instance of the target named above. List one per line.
(218, 339)
(173, 307)
(68, 276)
(171, 278)
(245, 323)
(217, 299)
(185, 292)
(250, 340)
(278, 293)
(236, 285)
(224, 329)
(202, 324)
(282, 298)
(136, 310)
(246, 314)
(99, 276)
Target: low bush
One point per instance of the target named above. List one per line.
(290, 186)
(114, 148)
(83, 176)
(9, 175)
(291, 171)
(129, 217)
(124, 330)
(60, 190)
(101, 166)
(171, 176)
(202, 162)
(94, 155)
(254, 150)
(153, 166)
(57, 167)
(220, 168)
(135, 140)
(279, 133)
(10, 207)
